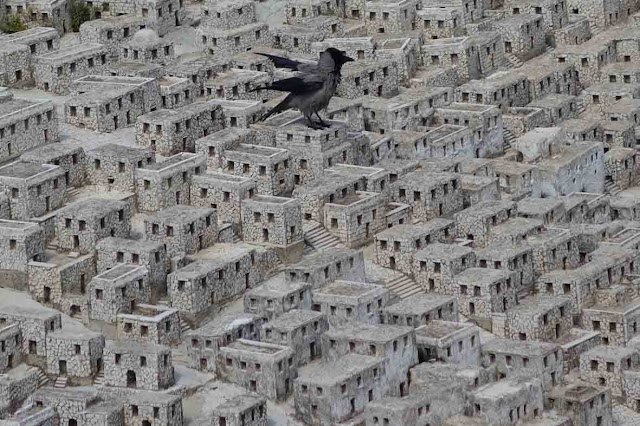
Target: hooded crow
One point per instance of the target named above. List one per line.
(311, 90)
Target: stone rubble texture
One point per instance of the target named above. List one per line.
(458, 246)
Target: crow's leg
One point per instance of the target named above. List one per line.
(312, 124)
(322, 123)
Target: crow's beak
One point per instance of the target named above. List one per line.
(348, 59)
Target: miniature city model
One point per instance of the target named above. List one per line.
(455, 240)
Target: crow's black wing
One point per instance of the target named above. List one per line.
(281, 62)
(298, 85)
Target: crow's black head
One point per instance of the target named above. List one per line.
(338, 56)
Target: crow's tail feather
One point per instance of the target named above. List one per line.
(282, 106)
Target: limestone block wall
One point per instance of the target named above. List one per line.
(71, 163)
(276, 367)
(111, 32)
(110, 296)
(203, 345)
(153, 370)
(82, 234)
(622, 171)
(111, 251)
(225, 43)
(339, 264)
(362, 78)
(541, 325)
(159, 53)
(166, 411)
(615, 328)
(36, 195)
(79, 354)
(16, 65)
(154, 326)
(105, 111)
(163, 16)
(438, 274)
(207, 191)
(390, 17)
(39, 39)
(174, 131)
(559, 253)
(269, 167)
(271, 305)
(27, 127)
(160, 188)
(180, 238)
(57, 70)
(14, 392)
(576, 32)
(331, 405)
(10, 342)
(275, 220)
(51, 284)
(429, 205)
(18, 248)
(524, 38)
(305, 339)
(598, 364)
(358, 221)
(222, 280)
(34, 331)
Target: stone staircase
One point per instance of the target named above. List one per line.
(318, 237)
(508, 138)
(99, 379)
(61, 382)
(512, 61)
(53, 244)
(72, 192)
(403, 286)
(42, 378)
(184, 326)
(236, 238)
(610, 187)
(595, 31)
(307, 249)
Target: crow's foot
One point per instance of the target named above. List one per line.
(322, 123)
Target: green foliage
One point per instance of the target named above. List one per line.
(12, 24)
(80, 13)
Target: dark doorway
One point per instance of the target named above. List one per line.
(62, 367)
(47, 294)
(203, 364)
(131, 379)
(75, 310)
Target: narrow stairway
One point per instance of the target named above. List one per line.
(508, 139)
(184, 326)
(61, 382)
(99, 379)
(318, 237)
(42, 378)
(403, 286)
(513, 61)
